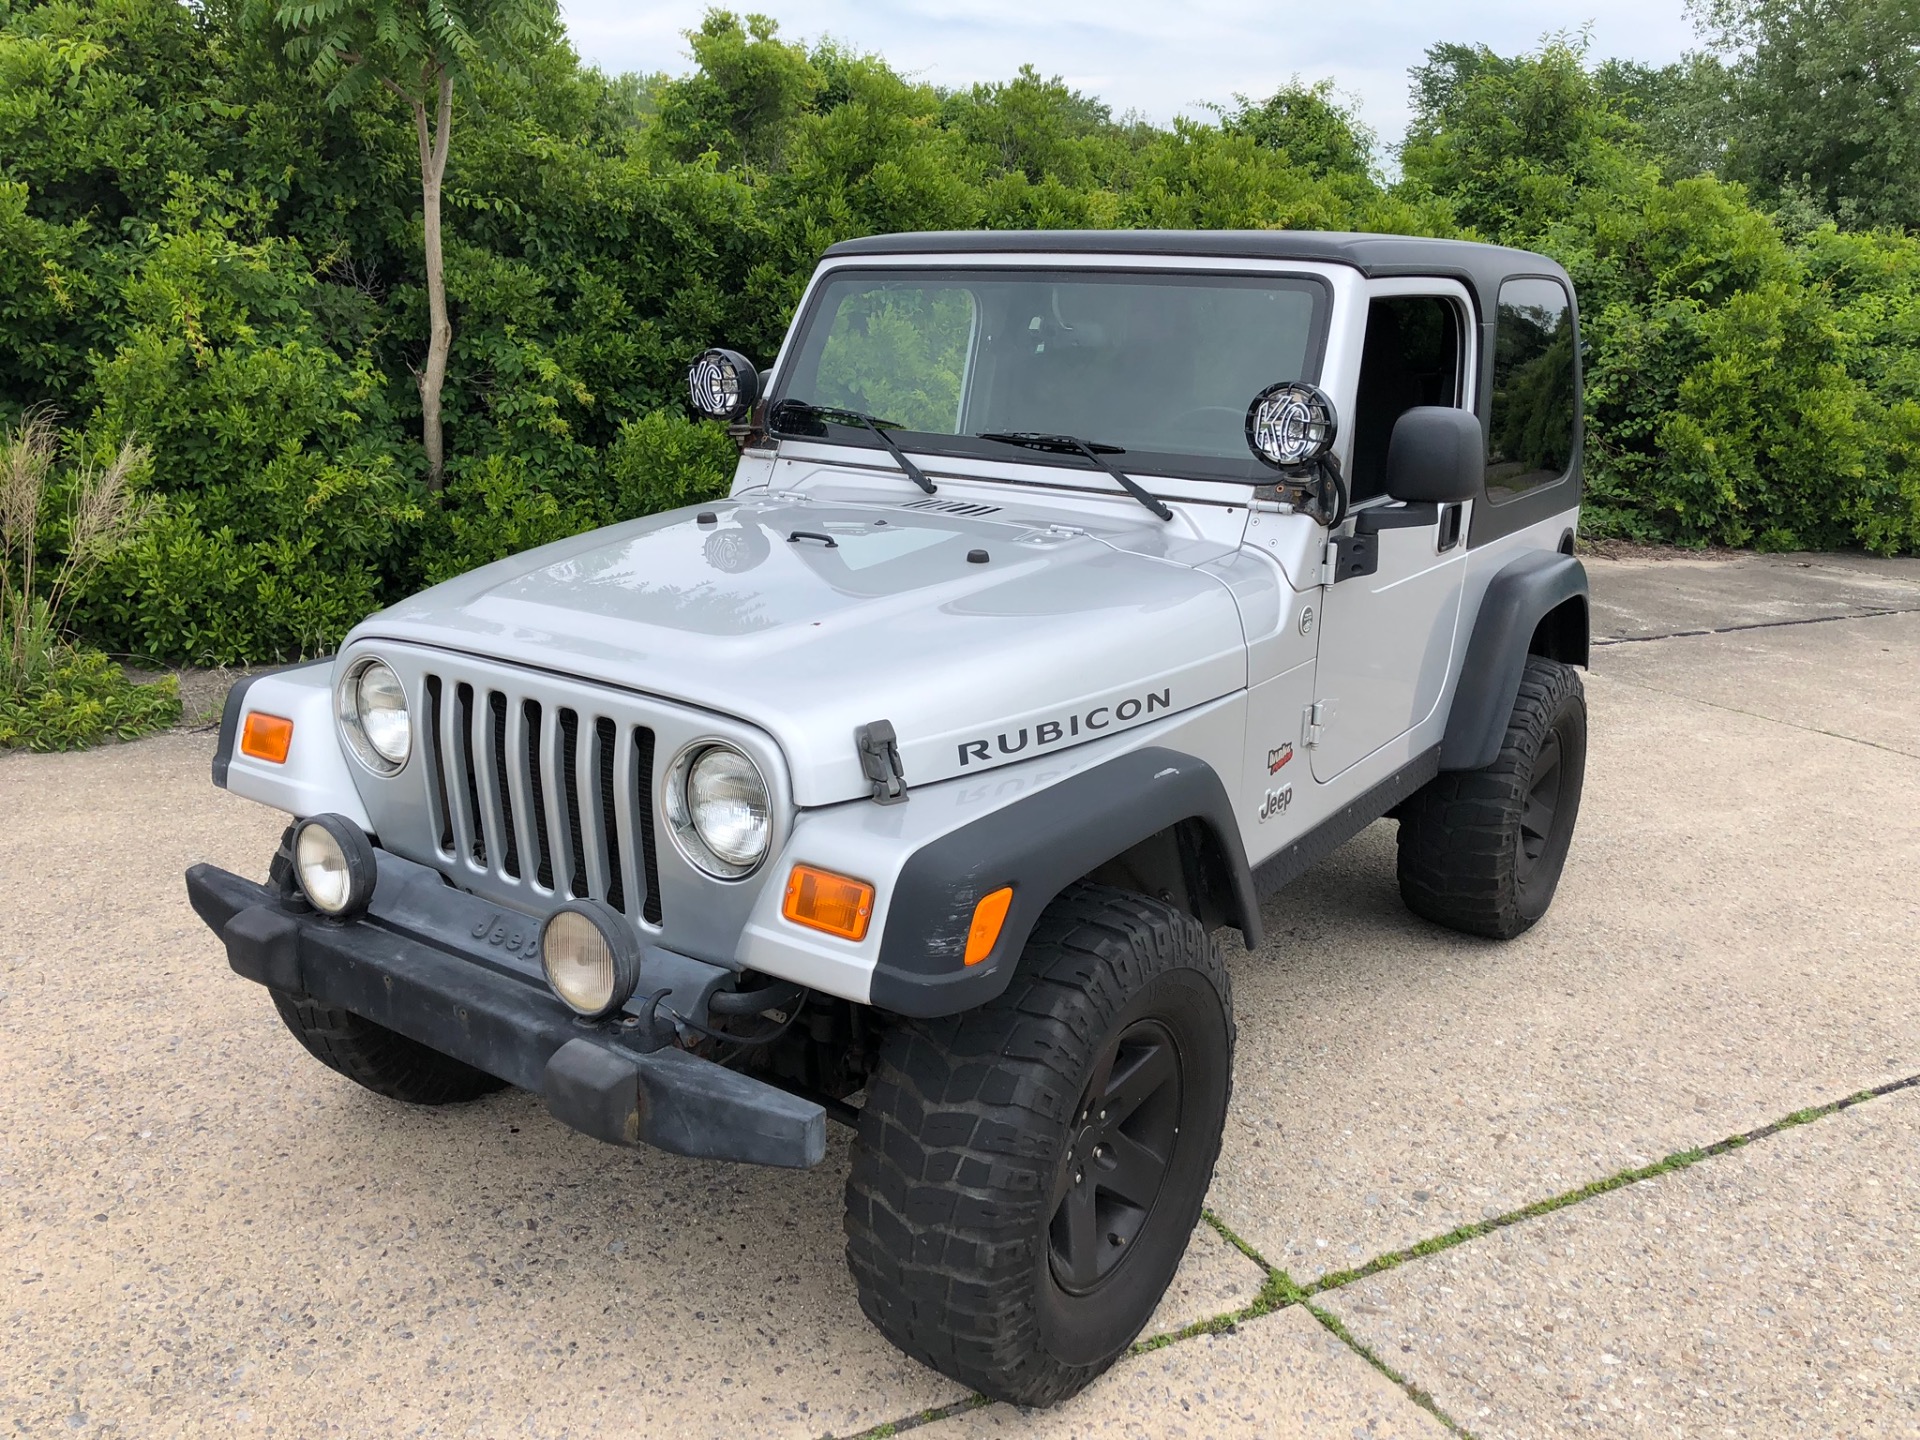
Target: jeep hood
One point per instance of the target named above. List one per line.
(810, 619)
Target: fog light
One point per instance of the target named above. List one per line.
(591, 956)
(333, 861)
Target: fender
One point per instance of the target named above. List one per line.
(1040, 844)
(316, 776)
(1522, 594)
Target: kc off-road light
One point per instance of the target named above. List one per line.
(723, 384)
(718, 811)
(1291, 424)
(373, 716)
(333, 862)
(591, 956)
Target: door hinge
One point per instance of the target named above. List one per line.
(1330, 563)
(880, 761)
(1317, 716)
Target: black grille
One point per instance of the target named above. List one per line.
(570, 800)
(463, 759)
(530, 717)
(497, 714)
(546, 787)
(437, 780)
(604, 731)
(643, 807)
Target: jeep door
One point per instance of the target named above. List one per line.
(1389, 619)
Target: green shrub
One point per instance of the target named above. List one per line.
(79, 698)
(664, 460)
(500, 507)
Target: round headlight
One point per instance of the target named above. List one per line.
(591, 956)
(373, 712)
(333, 861)
(718, 809)
(1290, 424)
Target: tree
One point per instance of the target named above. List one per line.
(419, 51)
(1309, 125)
(1684, 110)
(1510, 141)
(1827, 95)
(743, 98)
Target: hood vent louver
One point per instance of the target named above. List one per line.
(952, 507)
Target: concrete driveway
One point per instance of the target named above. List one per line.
(1649, 1170)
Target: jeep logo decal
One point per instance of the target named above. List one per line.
(497, 931)
(1276, 802)
(1052, 732)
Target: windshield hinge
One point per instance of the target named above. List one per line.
(880, 761)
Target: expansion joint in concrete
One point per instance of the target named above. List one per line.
(1755, 625)
(1279, 1291)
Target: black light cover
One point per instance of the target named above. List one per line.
(723, 384)
(348, 888)
(1291, 424)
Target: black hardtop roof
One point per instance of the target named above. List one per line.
(1482, 267)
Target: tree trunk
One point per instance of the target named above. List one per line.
(433, 167)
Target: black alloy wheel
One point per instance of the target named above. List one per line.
(1028, 1173)
(1482, 850)
(1543, 802)
(1123, 1139)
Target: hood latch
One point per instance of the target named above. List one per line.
(880, 761)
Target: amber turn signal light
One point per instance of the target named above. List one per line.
(822, 900)
(267, 737)
(988, 916)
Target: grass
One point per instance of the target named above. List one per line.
(1278, 1291)
(55, 695)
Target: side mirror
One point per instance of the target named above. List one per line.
(1291, 424)
(1436, 456)
(723, 384)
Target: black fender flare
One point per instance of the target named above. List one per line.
(1521, 594)
(1039, 844)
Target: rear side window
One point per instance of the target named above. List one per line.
(1532, 430)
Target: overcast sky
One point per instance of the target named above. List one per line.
(1158, 58)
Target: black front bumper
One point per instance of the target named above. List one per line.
(460, 975)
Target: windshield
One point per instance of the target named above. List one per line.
(1161, 365)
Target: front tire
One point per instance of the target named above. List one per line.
(383, 1060)
(1482, 850)
(1027, 1175)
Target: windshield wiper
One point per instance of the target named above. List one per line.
(1072, 445)
(855, 417)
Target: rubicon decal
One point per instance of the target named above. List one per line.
(1277, 759)
(1069, 727)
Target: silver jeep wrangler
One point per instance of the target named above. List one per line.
(1075, 591)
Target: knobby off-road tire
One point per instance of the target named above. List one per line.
(998, 1228)
(1482, 850)
(386, 1063)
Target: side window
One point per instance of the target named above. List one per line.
(1411, 357)
(1531, 434)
